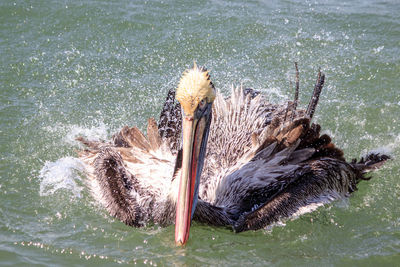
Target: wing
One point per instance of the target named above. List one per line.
(319, 174)
(262, 157)
(295, 167)
(170, 123)
(131, 176)
(239, 127)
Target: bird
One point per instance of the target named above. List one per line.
(237, 161)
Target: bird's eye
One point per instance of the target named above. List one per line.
(202, 103)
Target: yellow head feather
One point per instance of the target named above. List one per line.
(194, 86)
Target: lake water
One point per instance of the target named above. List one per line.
(72, 68)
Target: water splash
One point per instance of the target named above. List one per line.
(69, 132)
(61, 174)
(64, 173)
(94, 133)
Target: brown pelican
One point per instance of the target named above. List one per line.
(263, 162)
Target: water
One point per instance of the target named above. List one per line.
(88, 68)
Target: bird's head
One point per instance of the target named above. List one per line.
(196, 94)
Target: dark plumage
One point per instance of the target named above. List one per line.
(264, 162)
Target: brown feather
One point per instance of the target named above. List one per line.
(153, 135)
(135, 138)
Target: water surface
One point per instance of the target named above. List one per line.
(70, 68)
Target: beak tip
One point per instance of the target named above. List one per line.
(179, 242)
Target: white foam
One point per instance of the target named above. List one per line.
(275, 94)
(93, 133)
(70, 132)
(394, 145)
(307, 209)
(61, 174)
(386, 150)
(378, 49)
(64, 172)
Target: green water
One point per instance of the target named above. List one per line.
(70, 68)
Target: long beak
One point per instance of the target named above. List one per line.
(193, 133)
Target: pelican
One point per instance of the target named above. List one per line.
(240, 161)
